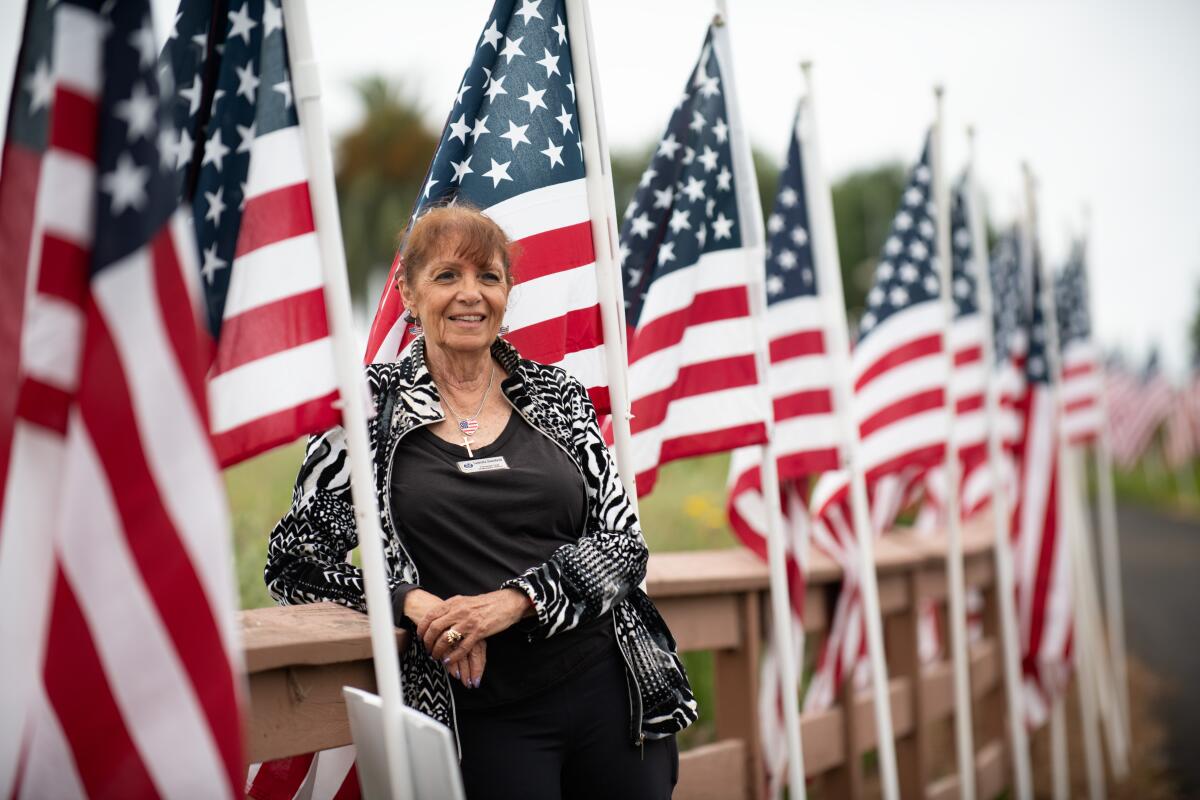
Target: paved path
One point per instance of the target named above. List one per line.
(1160, 558)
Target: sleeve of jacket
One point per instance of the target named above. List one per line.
(308, 548)
(581, 581)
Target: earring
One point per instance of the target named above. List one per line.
(415, 322)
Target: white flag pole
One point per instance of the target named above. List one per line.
(1110, 551)
(603, 212)
(1060, 765)
(829, 278)
(963, 730)
(306, 86)
(1001, 508)
(753, 239)
(1084, 648)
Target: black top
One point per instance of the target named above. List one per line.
(469, 528)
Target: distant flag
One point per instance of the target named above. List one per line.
(799, 383)
(691, 252)
(900, 373)
(1082, 377)
(1040, 557)
(121, 669)
(1137, 406)
(241, 165)
(1010, 334)
(511, 147)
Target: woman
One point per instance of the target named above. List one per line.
(513, 549)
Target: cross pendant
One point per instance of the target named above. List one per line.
(467, 444)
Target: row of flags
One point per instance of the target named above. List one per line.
(166, 316)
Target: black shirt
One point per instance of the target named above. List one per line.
(468, 532)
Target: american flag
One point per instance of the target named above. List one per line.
(1041, 568)
(327, 775)
(121, 669)
(240, 161)
(511, 147)
(799, 384)
(969, 381)
(900, 375)
(1180, 434)
(691, 253)
(799, 375)
(1010, 334)
(1137, 405)
(1082, 380)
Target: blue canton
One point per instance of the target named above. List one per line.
(514, 125)
(227, 92)
(790, 269)
(1071, 300)
(962, 283)
(906, 274)
(33, 90)
(135, 176)
(686, 203)
(1008, 303)
(1037, 369)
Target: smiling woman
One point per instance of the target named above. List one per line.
(513, 549)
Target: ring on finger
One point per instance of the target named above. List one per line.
(452, 637)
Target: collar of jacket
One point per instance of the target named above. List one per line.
(421, 402)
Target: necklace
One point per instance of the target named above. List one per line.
(468, 426)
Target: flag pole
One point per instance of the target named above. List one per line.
(602, 209)
(1001, 509)
(753, 236)
(963, 730)
(1083, 646)
(306, 85)
(1110, 551)
(829, 274)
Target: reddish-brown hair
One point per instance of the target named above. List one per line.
(475, 237)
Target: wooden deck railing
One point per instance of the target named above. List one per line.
(299, 657)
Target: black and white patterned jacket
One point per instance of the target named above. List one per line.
(600, 574)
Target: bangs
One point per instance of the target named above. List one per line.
(461, 231)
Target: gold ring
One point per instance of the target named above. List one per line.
(453, 637)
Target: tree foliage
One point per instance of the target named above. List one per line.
(381, 165)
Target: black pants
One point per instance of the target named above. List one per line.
(571, 741)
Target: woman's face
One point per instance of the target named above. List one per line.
(460, 304)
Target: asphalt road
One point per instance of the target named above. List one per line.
(1160, 565)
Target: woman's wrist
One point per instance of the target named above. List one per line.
(417, 603)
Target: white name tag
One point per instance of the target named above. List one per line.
(474, 465)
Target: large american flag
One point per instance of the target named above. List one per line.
(241, 165)
(799, 384)
(120, 671)
(1041, 568)
(511, 147)
(691, 253)
(1082, 379)
(900, 375)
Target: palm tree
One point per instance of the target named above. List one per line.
(381, 165)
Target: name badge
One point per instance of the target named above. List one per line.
(471, 466)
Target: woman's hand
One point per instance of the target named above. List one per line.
(476, 617)
(469, 670)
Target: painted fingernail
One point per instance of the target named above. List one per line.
(476, 682)
(446, 660)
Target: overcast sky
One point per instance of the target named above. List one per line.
(1101, 97)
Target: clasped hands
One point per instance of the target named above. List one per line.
(475, 617)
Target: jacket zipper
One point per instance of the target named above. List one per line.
(416, 573)
(635, 710)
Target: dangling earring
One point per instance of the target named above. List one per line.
(503, 328)
(415, 326)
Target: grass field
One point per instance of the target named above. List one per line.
(686, 511)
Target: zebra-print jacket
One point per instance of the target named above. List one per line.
(600, 574)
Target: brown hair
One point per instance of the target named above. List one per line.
(475, 236)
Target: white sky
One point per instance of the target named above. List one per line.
(1100, 96)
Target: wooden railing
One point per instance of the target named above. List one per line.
(299, 657)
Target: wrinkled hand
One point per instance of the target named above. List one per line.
(476, 617)
(469, 670)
